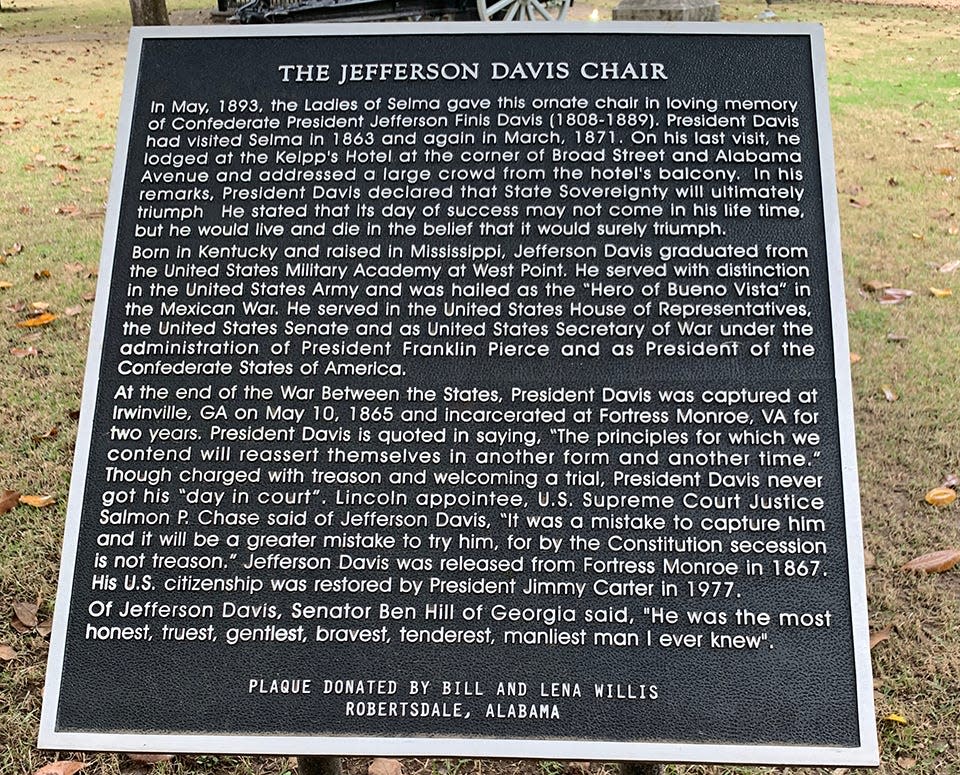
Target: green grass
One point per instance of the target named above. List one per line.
(895, 90)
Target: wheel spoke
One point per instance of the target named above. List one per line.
(497, 7)
(512, 13)
(536, 4)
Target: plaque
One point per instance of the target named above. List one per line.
(465, 390)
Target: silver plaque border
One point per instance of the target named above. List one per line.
(866, 754)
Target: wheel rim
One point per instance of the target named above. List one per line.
(522, 10)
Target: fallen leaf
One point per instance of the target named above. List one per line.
(895, 295)
(7, 653)
(38, 501)
(945, 172)
(384, 767)
(951, 481)
(24, 352)
(45, 628)
(4, 284)
(37, 320)
(917, 236)
(75, 267)
(940, 293)
(892, 337)
(26, 614)
(880, 636)
(39, 306)
(68, 210)
(9, 500)
(61, 768)
(73, 311)
(950, 266)
(869, 559)
(50, 434)
(934, 562)
(855, 358)
(14, 250)
(872, 286)
(896, 718)
(940, 496)
(89, 296)
(889, 394)
(859, 204)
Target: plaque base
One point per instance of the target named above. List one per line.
(668, 10)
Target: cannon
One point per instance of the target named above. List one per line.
(274, 11)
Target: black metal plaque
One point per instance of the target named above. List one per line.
(469, 390)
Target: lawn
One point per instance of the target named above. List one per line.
(895, 98)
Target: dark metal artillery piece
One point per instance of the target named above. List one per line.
(272, 11)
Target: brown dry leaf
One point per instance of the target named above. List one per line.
(889, 394)
(869, 559)
(39, 306)
(38, 320)
(892, 337)
(5, 284)
(872, 286)
(42, 274)
(940, 293)
(880, 636)
(50, 434)
(907, 762)
(946, 147)
(73, 311)
(951, 481)
(893, 182)
(950, 266)
(895, 295)
(14, 250)
(24, 352)
(7, 653)
(941, 496)
(385, 767)
(946, 172)
(68, 210)
(934, 562)
(45, 628)
(953, 230)
(89, 296)
(150, 758)
(943, 214)
(74, 268)
(855, 358)
(859, 203)
(38, 501)
(917, 236)
(61, 768)
(26, 614)
(9, 500)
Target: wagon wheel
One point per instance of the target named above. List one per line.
(522, 10)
